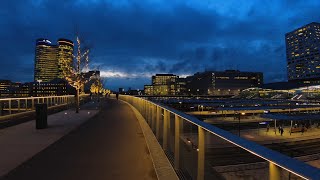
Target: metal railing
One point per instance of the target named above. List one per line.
(10, 106)
(198, 150)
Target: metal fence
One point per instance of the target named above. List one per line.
(15, 106)
(198, 150)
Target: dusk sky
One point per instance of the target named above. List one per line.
(132, 39)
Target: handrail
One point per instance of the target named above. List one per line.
(41, 97)
(294, 166)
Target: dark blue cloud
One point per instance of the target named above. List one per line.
(130, 40)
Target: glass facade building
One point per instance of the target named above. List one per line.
(53, 61)
(65, 57)
(303, 53)
(46, 62)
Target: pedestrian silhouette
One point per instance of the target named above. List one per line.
(281, 131)
(117, 96)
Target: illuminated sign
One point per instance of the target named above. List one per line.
(46, 41)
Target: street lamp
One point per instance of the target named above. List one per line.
(239, 121)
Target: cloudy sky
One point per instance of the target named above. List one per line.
(132, 39)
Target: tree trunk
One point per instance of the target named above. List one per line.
(78, 100)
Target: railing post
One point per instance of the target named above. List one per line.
(38, 100)
(177, 132)
(47, 102)
(201, 153)
(158, 122)
(32, 104)
(166, 115)
(147, 111)
(143, 108)
(18, 105)
(1, 108)
(274, 172)
(9, 106)
(26, 104)
(153, 117)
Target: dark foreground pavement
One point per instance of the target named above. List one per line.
(108, 146)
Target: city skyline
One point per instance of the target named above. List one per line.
(131, 40)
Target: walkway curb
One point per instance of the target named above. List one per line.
(162, 165)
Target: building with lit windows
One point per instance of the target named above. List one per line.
(46, 61)
(56, 87)
(53, 61)
(148, 89)
(229, 82)
(65, 57)
(303, 54)
(181, 86)
(164, 84)
(4, 88)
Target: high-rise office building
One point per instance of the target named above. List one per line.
(46, 63)
(303, 53)
(65, 57)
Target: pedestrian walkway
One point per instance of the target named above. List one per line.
(20, 142)
(109, 146)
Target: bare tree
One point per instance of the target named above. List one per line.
(75, 75)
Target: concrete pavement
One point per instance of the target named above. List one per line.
(109, 146)
(19, 143)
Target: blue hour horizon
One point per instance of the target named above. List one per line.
(130, 41)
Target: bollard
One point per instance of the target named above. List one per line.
(41, 116)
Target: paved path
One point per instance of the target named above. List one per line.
(21, 142)
(109, 146)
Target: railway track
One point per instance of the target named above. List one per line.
(234, 155)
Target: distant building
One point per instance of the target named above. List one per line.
(46, 62)
(19, 90)
(164, 84)
(229, 82)
(65, 57)
(4, 88)
(4, 84)
(148, 89)
(303, 54)
(52, 61)
(181, 86)
(56, 87)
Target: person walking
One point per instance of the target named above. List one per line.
(281, 131)
(117, 96)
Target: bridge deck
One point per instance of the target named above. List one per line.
(109, 146)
